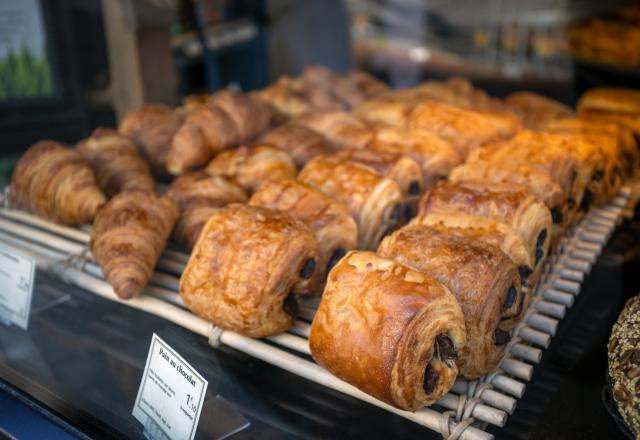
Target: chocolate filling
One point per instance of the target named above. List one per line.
(446, 350)
(290, 305)
(308, 269)
(542, 236)
(574, 174)
(511, 297)
(430, 379)
(571, 203)
(598, 175)
(524, 272)
(539, 255)
(335, 257)
(502, 337)
(414, 188)
(397, 212)
(586, 200)
(408, 212)
(557, 216)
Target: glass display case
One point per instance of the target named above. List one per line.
(130, 126)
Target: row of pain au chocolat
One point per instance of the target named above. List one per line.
(462, 197)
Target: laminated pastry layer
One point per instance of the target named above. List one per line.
(398, 167)
(129, 234)
(198, 195)
(375, 202)
(436, 156)
(115, 162)
(536, 111)
(341, 128)
(329, 219)
(54, 182)
(245, 267)
(250, 166)
(481, 277)
(392, 332)
(302, 143)
(507, 203)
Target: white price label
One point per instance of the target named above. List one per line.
(171, 393)
(16, 286)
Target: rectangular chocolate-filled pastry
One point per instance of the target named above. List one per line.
(376, 203)
(535, 110)
(611, 99)
(391, 331)
(481, 277)
(329, 219)
(436, 156)
(540, 183)
(398, 167)
(465, 129)
(302, 143)
(245, 267)
(250, 166)
(544, 151)
(508, 203)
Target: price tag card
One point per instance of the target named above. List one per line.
(171, 394)
(16, 287)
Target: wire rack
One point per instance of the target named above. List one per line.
(464, 413)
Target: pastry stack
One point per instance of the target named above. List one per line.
(423, 216)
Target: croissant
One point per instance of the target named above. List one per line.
(436, 156)
(151, 128)
(481, 277)
(538, 182)
(392, 332)
(339, 127)
(536, 111)
(330, 220)
(199, 195)
(129, 234)
(507, 203)
(245, 266)
(54, 182)
(225, 119)
(464, 129)
(302, 143)
(376, 203)
(116, 163)
(250, 166)
(400, 168)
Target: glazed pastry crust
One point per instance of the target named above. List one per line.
(198, 195)
(624, 364)
(115, 162)
(611, 99)
(436, 156)
(129, 234)
(302, 143)
(250, 166)
(375, 202)
(339, 127)
(478, 276)
(54, 182)
(376, 327)
(465, 129)
(330, 220)
(507, 203)
(282, 100)
(151, 128)
(246, 261)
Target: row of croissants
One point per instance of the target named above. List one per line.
(424, 216)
